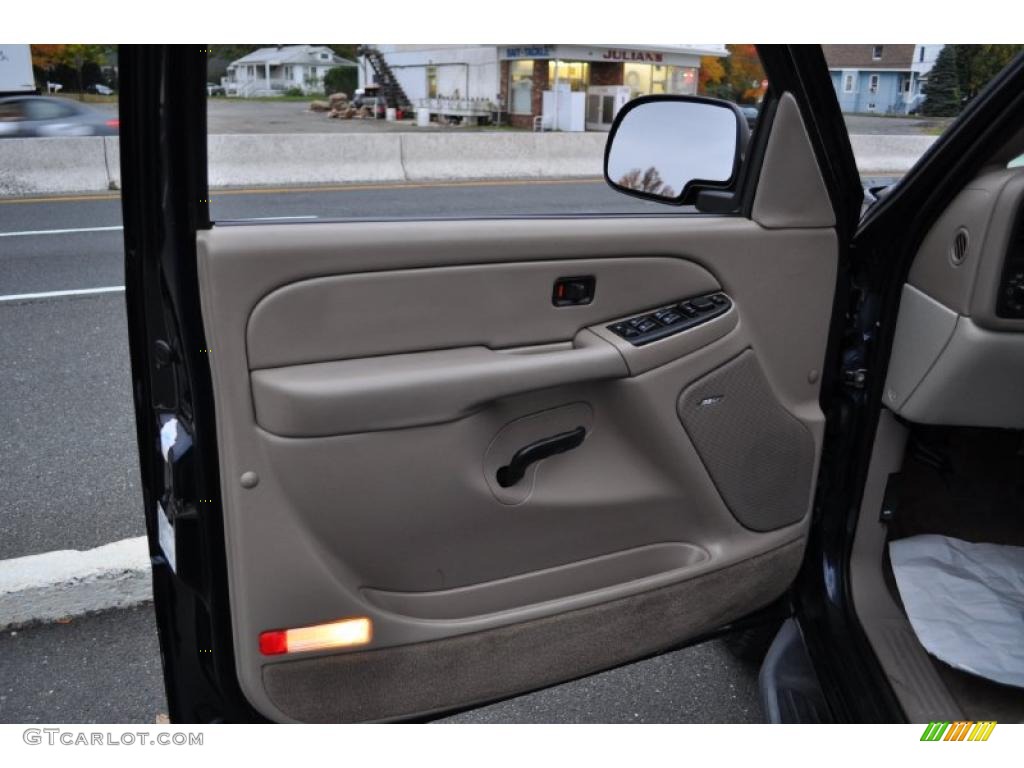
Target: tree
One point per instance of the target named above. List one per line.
(649, 181)
(976, 65)
(942, 94)
(76, 57)
(712, 72)
(745, 73)
(348, 51)
(343, 79)
(736, 77)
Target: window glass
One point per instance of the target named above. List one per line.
(11, 111)
(463, 130)
(639, 79)
(683, 80)
(521, 87)
(44, 109)
(575, 73)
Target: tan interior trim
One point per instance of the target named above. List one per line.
(910, 671)
(393, 391)
(431, 677)
(791, 191)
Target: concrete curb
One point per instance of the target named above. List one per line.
(883, 155)
(66, 583)
(92, 164)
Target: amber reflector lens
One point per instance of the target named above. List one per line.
(337, 634)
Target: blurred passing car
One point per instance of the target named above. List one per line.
(750, 112)
(101, 89)
(44, 116)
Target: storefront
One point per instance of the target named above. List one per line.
(557, 87)
(607, 76)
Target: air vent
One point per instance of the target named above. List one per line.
(958, 250)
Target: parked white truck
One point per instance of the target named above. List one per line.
(16, 70)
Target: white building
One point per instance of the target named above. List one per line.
(591, 80)
(273, 71)
(16, 69)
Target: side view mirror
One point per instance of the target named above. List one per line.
(668, 148)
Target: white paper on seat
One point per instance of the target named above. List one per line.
(965, 602)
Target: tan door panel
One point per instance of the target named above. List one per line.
(372, 381)
(375, 443)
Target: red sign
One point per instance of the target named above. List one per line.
(619, 54)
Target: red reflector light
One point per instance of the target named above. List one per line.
(273, 643)
(114, 123)
(336, 634)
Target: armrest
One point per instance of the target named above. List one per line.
(395, 391)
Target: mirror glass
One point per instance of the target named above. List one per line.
(661, 146)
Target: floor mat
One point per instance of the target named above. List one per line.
(965, 601)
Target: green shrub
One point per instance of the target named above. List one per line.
(294, 91)
(344, 79)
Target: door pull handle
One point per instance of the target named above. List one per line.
(513, 472)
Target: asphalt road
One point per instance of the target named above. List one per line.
(106, 669)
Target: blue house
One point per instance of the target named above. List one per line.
(886, 79)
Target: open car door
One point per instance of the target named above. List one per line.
(396, 468)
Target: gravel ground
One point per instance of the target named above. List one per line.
(246, 116)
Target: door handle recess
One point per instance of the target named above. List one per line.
(513, 472)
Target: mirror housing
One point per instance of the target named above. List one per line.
(668, 149)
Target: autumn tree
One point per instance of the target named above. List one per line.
(745, 73)
(74, 56)
(736, 77)
(712, 73)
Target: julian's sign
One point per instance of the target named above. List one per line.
(621, 54)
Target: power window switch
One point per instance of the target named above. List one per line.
(625, 330)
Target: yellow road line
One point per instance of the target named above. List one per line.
(315, 190)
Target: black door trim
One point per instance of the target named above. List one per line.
(164, 202)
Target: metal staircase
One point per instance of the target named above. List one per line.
(387, 83)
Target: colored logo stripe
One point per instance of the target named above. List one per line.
(961, 730)
(982, 730)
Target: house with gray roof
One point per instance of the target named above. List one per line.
(887, 79)
(276, 69)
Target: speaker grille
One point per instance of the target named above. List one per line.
(759, 456)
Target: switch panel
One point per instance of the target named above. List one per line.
(671, 319)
